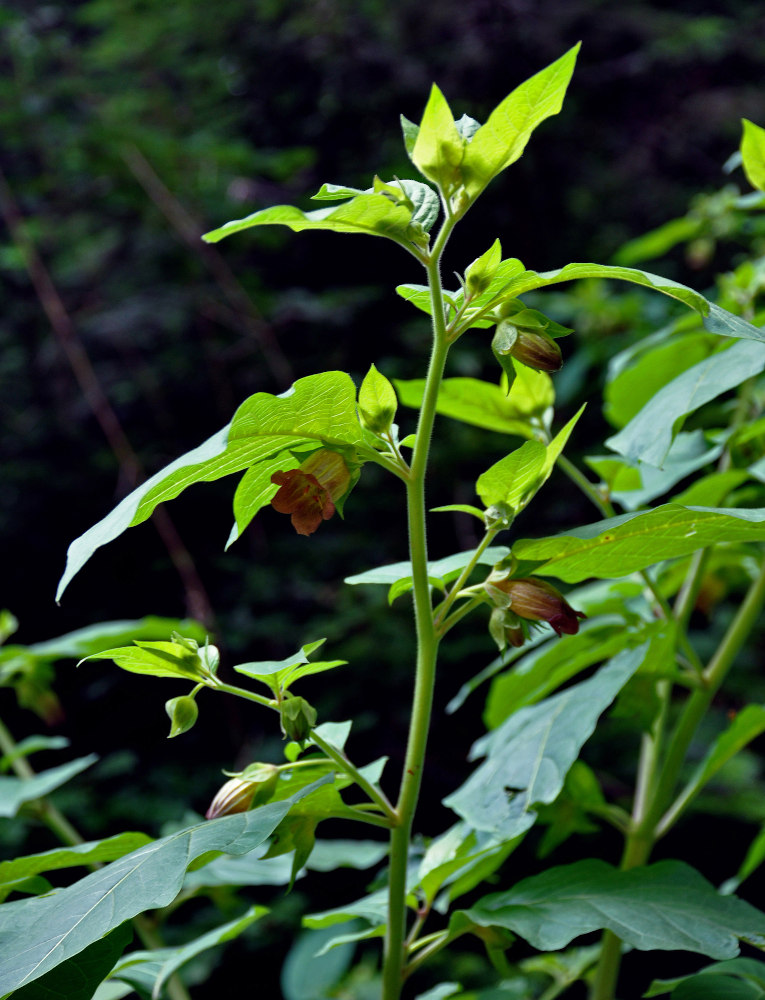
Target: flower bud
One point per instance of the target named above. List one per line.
(298, 718)
(537, 600)
(536, 349)
(183, 714)
(243, 793)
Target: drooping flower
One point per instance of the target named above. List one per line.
(308, 493)
(536, 349)
(537, 600)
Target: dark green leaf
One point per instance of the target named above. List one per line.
(528, 757)
(665, 906)
(78, 978)
(39, 934)
(308, 976)
(14, 792)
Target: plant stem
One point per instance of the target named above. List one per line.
(451, 597)
(375, 794)
(427, 640)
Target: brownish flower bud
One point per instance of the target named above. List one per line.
(537, 350)
(243, 793)
(537, 600)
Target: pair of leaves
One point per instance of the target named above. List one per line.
(279, 674)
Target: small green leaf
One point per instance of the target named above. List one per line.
(159, 659)
(665, 906)
(514, 478)
(627, 543)
(753, 154)
(373, 214)
(377, 402)
(480, 274)
(15, 792)
(445, 570)
(438, 148)
(410, 132)
(503, 138)
(183, 713)
(459, 508)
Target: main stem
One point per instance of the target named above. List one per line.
(427, 642)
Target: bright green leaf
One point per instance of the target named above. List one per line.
(753, 154)
(665, 906)
(445, 570)
(373, 214)
(377, 401)
(627, 543)
(438, 149)
(503, 138)
(514, 479)
(159, 659)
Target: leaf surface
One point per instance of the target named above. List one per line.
(14, 792)
(527, 757)
(665, 906)
(630, 542)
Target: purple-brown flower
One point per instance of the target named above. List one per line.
(309, 492)
(537, 350)
(537, 600)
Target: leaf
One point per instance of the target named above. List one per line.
(546, 668)
(649, 435)
(159, 659)
(513, 479)
(14, 792)
(438, 148)
(503, 138)
(665, 906)
(38, 934)
(753, 153)
(33, 744)
(79, 977)
(373, 214)
(308, 976)
(627, 543)
(318, 408)
(528, 757)
(747, 968)
(94, 852)
(217, 936)
(482, 404)
(748, 724)
(377, 401)
(440, 992)
(445, 570)
(267, 668)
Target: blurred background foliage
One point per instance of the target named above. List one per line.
(128, 129)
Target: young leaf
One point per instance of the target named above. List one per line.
(39, 934)
(373, 214)
(627, 543)
(438, 149)
(480, 274)
(503, 138)
(649, 435)
(661, 907)
(159, 659)
(377, 401)
(528, 757)
(753, 154)
(14, 792)
(513, 479)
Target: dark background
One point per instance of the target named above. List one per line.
(128, 129)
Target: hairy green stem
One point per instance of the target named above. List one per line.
(427, 639)
(443, 610)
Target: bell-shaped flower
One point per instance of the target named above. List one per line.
(308, 493)
(537, 600)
